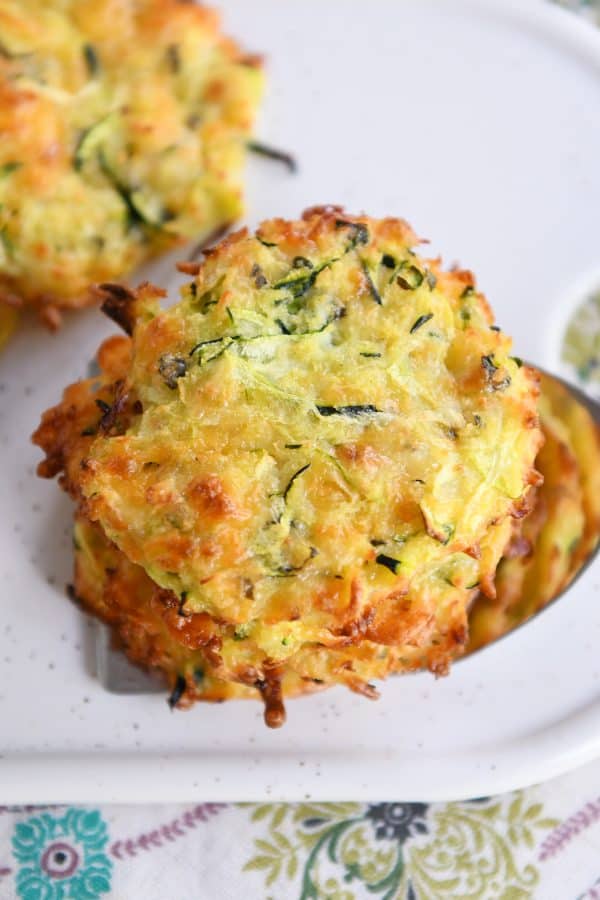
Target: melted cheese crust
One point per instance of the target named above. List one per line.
(123, 132)
(317, 452)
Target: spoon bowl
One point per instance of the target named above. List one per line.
(580, 396)
(582, 399)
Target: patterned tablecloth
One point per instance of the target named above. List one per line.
(542, 843)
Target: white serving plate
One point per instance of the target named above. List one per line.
(478, 121)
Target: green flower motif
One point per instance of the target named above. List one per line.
(401, 851)
(62, 858)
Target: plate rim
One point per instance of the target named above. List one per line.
(91, 776)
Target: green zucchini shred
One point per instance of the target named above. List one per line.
(420, 322)
(410, 277)
(389, 562)
(92, 61)
(353, 410)
(9, 167)
(373, 290)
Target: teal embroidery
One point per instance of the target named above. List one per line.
(62, 858)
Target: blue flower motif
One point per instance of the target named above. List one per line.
(62, 858)
(398, 821)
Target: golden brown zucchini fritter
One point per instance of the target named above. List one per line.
(123, 132)
(312, 461)
(549, 546)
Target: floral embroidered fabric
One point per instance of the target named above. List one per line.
(542, 843)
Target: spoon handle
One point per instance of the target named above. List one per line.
(592, 406)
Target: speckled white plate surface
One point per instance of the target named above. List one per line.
(479, 122)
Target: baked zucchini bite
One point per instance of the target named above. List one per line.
(305, 469)
(551, 544)
(124, 127)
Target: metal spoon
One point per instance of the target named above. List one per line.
(592, 405)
